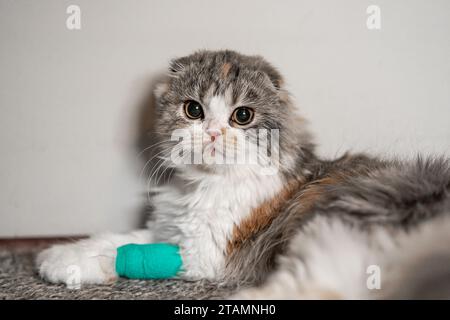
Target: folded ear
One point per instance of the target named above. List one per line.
(274, 76)
(277, 81)
(177, 65)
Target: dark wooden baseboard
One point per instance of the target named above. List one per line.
(38, 242)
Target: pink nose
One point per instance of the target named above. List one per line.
(213, 133)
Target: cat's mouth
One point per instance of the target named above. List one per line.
(210, 149)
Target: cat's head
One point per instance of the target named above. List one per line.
(224, 112)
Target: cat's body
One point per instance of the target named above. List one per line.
(309, 229)
(354, 217)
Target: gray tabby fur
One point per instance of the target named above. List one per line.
(372, 194)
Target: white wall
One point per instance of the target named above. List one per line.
(70, 100)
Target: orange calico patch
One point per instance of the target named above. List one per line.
(261, 217)
(225, 69)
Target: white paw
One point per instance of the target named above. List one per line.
(84, 262)
(198, 264)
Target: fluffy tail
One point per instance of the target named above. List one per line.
(422, 270)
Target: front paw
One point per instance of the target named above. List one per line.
(77, 263)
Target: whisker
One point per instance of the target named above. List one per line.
(152, 146)
(143, 171)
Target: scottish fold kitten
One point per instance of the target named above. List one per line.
(249, 202)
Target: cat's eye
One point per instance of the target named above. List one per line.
(242, 116)
(193, 109)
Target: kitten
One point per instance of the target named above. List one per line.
(287, 224)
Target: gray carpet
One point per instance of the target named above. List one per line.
(18, 280)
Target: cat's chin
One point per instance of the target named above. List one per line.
(226, 170)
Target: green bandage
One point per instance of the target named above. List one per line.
(148, 261)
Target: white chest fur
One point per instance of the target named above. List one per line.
(200, 216)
